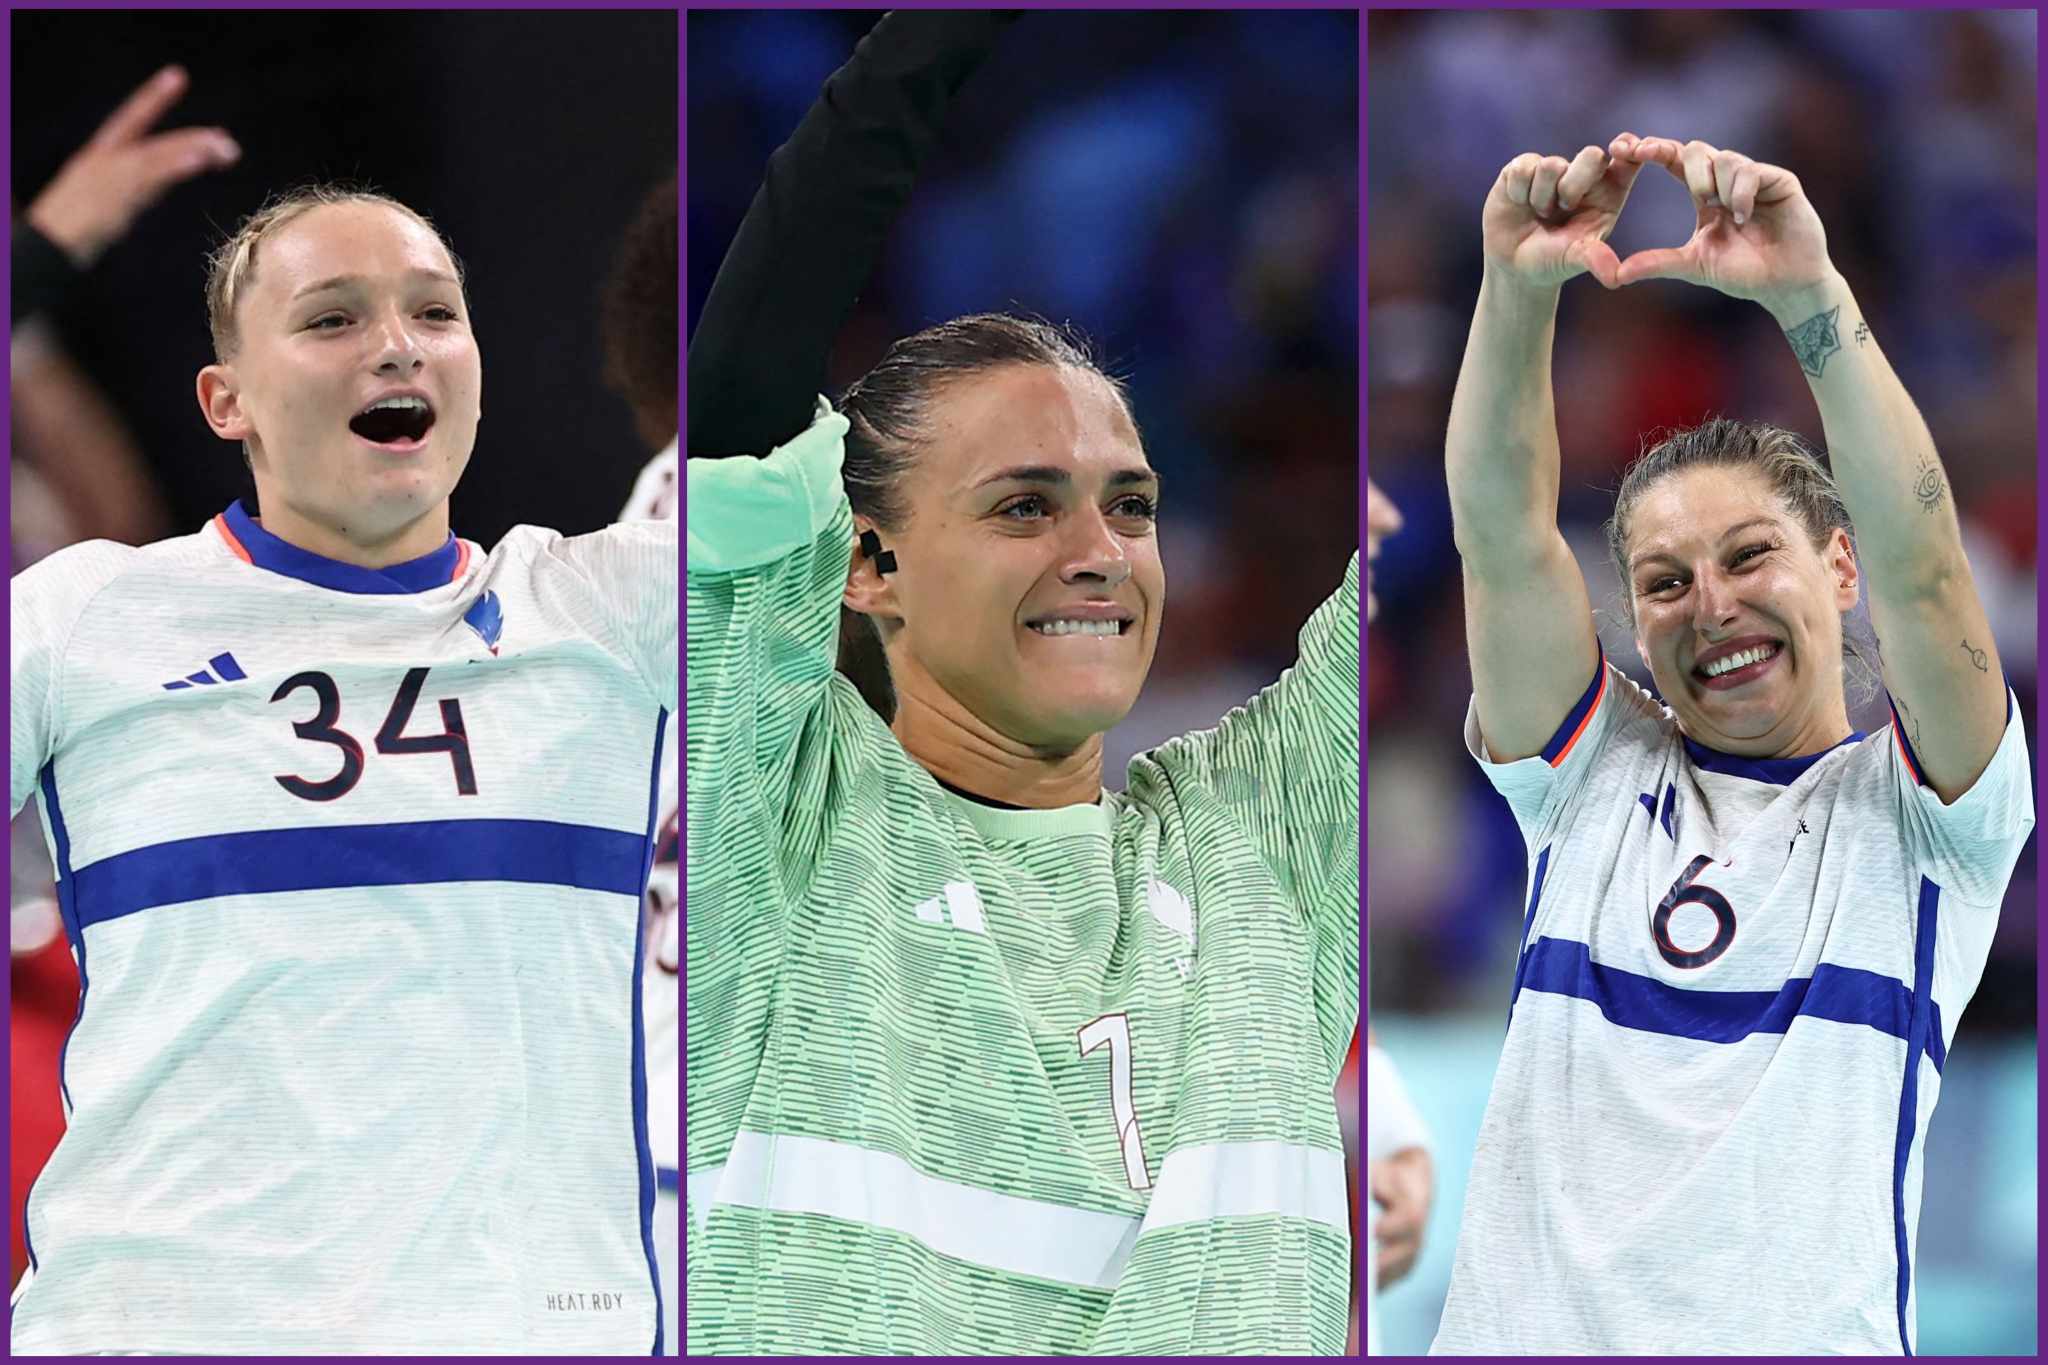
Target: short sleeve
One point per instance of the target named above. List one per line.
(1613, 722)
(44, 604)
(630, 570)
(1969, 848)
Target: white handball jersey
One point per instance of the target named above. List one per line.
(654, 497)
(1737, 985)
(352, 864)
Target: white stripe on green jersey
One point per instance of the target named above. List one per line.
(357, 1066)
(916, 1023)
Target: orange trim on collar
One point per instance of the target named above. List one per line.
(220, 524)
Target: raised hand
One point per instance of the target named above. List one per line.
(1757, 238)
(124, 169)
(1547, 219)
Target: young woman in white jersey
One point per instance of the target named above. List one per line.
(323, 1007)
(945, 1090)
(1749, 931)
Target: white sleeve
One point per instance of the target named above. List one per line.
(633, 571)
(1969, 847)
(1614, 723)
(44, 603)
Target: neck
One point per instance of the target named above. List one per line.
(1820, 735)
(1815, 734)
(962, 751)
(353, 543)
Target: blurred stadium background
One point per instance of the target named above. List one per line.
(530, 138)
(1184, 186)
(1914, 134)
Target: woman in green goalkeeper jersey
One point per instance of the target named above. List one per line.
(981, 1057)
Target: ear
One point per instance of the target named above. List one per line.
(1644, 655)
(868, 590)
(220, 399)
(1844, 577)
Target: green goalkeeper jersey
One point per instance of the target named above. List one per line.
(968, 1080)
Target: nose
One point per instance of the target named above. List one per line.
(1713, 599)
(397, 351)
(1096, 554)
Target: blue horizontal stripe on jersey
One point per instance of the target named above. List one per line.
(329, 857)
(1846, 995)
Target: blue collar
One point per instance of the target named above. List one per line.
(1782, 772)
(259, 547)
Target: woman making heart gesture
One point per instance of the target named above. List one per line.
(1750, 931)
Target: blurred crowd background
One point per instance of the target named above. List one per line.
(530, 138)
(1182, 186)
(1913, 133)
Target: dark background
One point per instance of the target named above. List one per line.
(528, 137)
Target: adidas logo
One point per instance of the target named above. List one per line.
(223, 664)
(1172, 909)
(960, 901)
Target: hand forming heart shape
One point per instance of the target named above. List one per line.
(1757, 236)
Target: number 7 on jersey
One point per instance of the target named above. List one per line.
(1115, 1030)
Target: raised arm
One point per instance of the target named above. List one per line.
(1528, 621)
(1759, 238)
(811, 236)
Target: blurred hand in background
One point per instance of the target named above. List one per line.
(123, 169)
(1402, 1183)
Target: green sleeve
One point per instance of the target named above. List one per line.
(1286, 764)
(769, 543)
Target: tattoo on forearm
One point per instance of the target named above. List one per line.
(1977, 657)
(1815, 339)
(1929, 486)
(1862, 333)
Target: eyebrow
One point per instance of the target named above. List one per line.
(1726, 535)
(343, 281)
(1045, 473)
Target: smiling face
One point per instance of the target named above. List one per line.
(351, 305)
(1028, 588)
(1719, 571)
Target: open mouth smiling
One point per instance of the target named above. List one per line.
(398, 421)
(1738, 662)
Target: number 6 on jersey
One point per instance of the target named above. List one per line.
(1115, 1030)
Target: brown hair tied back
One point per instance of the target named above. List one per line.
(889, 412)
(1794, 470)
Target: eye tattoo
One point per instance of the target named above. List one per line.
(1930, 485)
